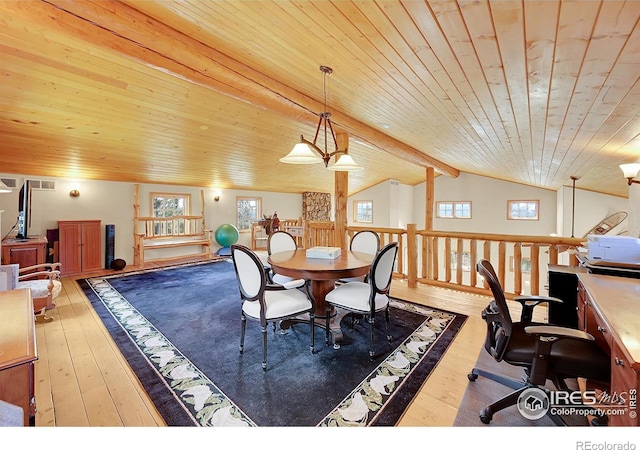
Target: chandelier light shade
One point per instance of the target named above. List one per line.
(345, 164)
(630, 171)
(306, 152)
(302, 153)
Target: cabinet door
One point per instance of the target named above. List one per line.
(624, 380)
(70, 247)
(91, 246)
(25, 256)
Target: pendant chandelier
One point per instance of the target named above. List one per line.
(306, 152)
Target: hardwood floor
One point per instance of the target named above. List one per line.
(82, 380)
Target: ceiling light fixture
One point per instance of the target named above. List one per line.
(305, 152)
(630, 171)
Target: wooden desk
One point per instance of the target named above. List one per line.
(18, 351)
(323, 274)
(609, 309)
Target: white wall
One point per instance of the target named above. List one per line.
(488, 199)
(395, 205)
(380, 195)
(112, 203)
(392, 205)
(590, 209)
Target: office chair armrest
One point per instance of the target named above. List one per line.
(529, 302)
(546, 337)
(558, 332)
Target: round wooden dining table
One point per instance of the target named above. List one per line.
(323, 274)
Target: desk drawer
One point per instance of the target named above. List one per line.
(624, 382)
(598, 329)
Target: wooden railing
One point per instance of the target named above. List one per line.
(173, 227)
(432, 257)
(448, 259)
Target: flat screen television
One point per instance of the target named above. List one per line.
(24, 210)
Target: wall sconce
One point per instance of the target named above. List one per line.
(630, 171)
(74, 193)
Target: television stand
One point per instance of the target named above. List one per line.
(26, 252)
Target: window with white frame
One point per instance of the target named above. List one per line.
(453, 210)
(249, 210)
(363, 211)
(170, 205)
(523, 209)
(525, 265)
(466, 261)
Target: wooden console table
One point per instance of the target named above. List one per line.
(608, 310)
(26, 252)
(18, 351)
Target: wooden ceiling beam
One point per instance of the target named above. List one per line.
(120, 27)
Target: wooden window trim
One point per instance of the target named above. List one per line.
(453, 209)
(258, 212)
(355, 211)
(510, 202)
(187, 198)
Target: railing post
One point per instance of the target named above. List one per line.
(412, 256)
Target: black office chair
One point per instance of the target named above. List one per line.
(545, 352)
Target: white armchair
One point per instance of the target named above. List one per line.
(42, 279)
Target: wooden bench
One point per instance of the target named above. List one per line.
(171, 232)
(153, 234)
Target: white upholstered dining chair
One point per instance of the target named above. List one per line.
(42, 279)
(365, 241)
(368, 298)
(267, 302)
(280, 241)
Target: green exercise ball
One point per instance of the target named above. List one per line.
(226, 235)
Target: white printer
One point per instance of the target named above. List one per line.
(613, 248)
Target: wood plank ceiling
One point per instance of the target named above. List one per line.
(212, 93)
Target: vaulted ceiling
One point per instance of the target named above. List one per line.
(212, 93)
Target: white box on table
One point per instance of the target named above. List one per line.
(323, 252)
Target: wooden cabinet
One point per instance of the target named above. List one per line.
(608, 310)
(26, 252)
(80, 246)
(18, 351)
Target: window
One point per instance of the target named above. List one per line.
(249, 211)
(525, 265)
(466, 261)
(523, 209)
(169, 205)
(453, 210)
(363, 211)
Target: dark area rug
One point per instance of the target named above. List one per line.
(179, 329)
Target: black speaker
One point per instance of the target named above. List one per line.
(109, 245)
(563, 284)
